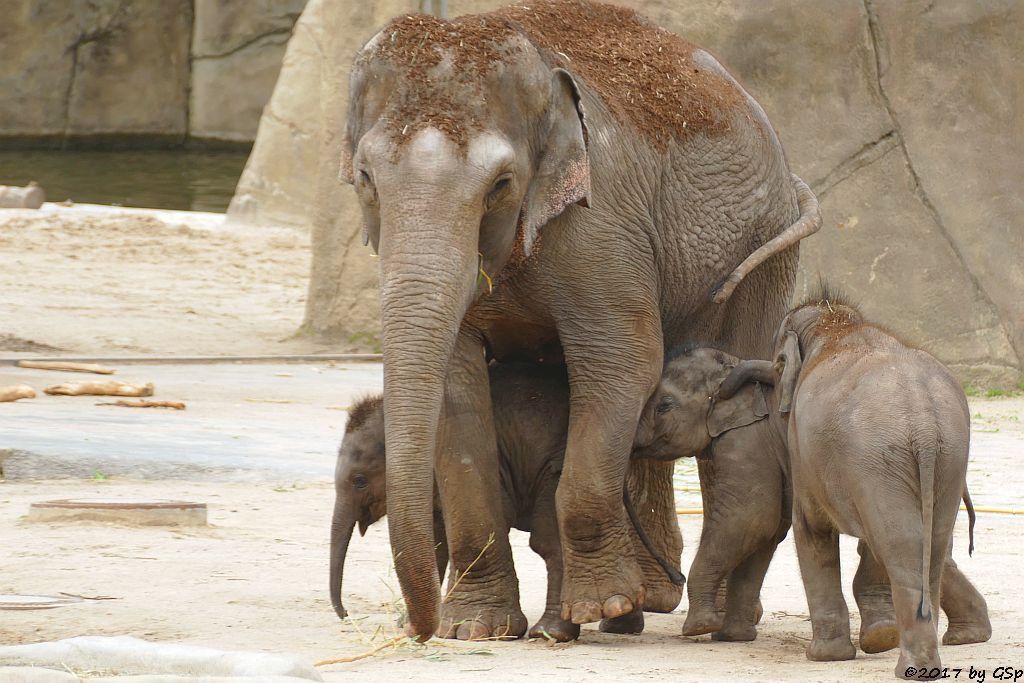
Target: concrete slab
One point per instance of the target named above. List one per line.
(243, 422)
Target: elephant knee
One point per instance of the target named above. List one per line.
(546, 545)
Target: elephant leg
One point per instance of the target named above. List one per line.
(722, 596)
(651, 489)
(440, 544)
(965, 608)
(611, 375)
(817, 548)
(482, 599)
(724, 544)
(871, 589)
(545, 542)
(744, 596)
(899, 548)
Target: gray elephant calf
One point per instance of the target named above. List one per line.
(531, 408)
(741, 449)
(744, 485)
(877, 437)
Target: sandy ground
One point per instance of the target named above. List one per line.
(255, 579)
(110, 281)
(256, 444)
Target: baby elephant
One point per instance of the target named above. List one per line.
(877, 436)
(741, 450)
(531, 407)
(744, 485)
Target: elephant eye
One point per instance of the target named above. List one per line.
(365, 188)
(360, 481)
(499, 189)
(666, 404)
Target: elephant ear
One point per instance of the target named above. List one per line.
(563, 173)
(345, 172)
(788, 364)
(745, 407)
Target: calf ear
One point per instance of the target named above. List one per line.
(745, 407)
(345, 173)
(563, 172)
(788, 363)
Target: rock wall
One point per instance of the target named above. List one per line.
(904, 116)
(139, 71)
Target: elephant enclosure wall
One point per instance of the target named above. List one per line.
(138, 73)
(904, 116)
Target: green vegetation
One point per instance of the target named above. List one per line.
(972, 391)
(366, 340)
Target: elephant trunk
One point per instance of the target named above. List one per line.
(428, 279)
(342, 523)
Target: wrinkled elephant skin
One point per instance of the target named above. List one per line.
(524, 208)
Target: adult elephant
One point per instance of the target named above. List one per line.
(558, 180)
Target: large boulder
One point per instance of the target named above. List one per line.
(139, 71)
(900, 115)
(82, 69)
(237, 49)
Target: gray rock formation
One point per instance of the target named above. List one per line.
(156, 72)
(903, 116)
(237, 49)
(72, 69)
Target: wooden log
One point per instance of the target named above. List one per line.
(108, 388)
(30, 197)
(65, 366)
(16, 392)
(176, 405)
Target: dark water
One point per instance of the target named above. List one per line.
(157, 179)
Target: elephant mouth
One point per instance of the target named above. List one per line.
(653, 452)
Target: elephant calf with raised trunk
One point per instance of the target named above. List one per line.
(877, 436)
(741, 446)
(531, 415)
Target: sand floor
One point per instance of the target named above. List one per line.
(256, 445)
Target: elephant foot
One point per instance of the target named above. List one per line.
(631, 623)
(831, 649)
(758, 612)
(552, 627)
(735, 633)
(661, 596)
(698, 622)
(479, 622)
(601, 585)
(965, 634)
(918, 669)
(879, 636)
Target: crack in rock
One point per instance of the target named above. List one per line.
(868, 154)
(874, 34)
(286, 32)
(95, 36)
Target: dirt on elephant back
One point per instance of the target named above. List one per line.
(645, 75)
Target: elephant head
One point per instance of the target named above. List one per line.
(810, 327)
(462, 143)
(687, 410)
(360, 490)
(359, 486)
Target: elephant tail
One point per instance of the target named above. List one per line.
(807, 224)
(926, 468)
(675, 576)
(971, 519)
